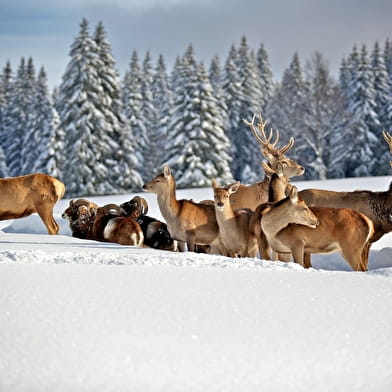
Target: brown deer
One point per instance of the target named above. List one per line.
(375, 205)
(291, 226)
(25, 195)
(250, 196)
(187, 221)
(234, 229)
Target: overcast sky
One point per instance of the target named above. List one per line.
(45, 29)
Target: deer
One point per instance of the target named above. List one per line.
(80, 215)
(250, 196)
(375, 205)
(187, 221)
(234, 227)
(156, 234)
(290, 226)
(32, 193)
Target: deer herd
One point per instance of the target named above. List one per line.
(270, 218)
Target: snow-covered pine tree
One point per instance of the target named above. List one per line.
(365, 122)
(247, 155)
(43, 143)
(287, 111)
(325, 117)
(266, 80)
(232, 94)
(163, 103)
(383, 101)
(87, 136)
(3, 164)
(121, 157)
(216, 80)
(6, 81)
(133, 106)
(199, 148)
(16, 116)
(153, 147)
(388, 67)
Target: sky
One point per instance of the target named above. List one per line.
(45, 29)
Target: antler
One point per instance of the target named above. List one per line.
(265, 141)
(388, 139)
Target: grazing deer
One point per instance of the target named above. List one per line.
(250, 196)
(234, 231)
(24, 195)
(186, 220)
(291, 226)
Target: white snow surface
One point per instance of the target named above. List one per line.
(78, 315)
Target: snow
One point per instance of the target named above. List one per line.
(80, 315)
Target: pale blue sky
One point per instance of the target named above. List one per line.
(45, 29)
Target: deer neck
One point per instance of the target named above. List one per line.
(274, 222)
(168, 203)
(224, 216)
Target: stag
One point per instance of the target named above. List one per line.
(250, 196)
(290, 226)
(24, 195)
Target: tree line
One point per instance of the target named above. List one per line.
(100, 133)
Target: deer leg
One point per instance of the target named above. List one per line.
(264, 248)
(307, 262)
(46, 214)
(298, 253)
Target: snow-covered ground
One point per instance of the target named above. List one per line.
(79, 315)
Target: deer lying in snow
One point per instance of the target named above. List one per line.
(291, 226)
(80, 215)
(156, 234)
(187, 221)
(24, 195)
(234, 231)
(110, 226)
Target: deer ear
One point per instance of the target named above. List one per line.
(166, 171)
(234, 187)
(294, 194)
(279, 169)
(267, 168)
(214, 183)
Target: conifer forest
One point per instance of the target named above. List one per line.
(104, 133)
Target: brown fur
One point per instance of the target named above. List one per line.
(25, 195)
(81, 215)
(375, 205)
(187, 221)
(291, 226)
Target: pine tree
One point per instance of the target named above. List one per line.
(152, 148)
(247, 154)
(265, 73)
(388, 67)
(383, 101)
(16, 116)
(288, 110)
(133, 105)
(324, 119)
(6, 80)
(199, 148)
(365, 122)
(163, 103)
(121, 157)
(42, 146)
(216, 80)
(233, 97)
(88, 143)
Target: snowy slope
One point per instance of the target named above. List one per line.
(79, 315)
